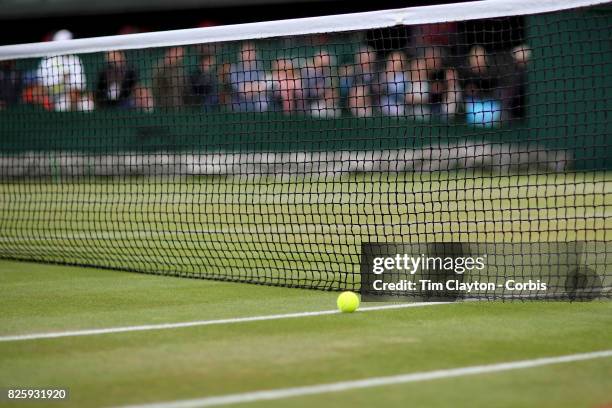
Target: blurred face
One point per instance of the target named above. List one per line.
(366, 60)
(322, 60)
(207, 63)
(433, 59)
(359, 101)
(359, 92)
(521, 55)
(478, 58)
(451, 75)
(419, 64)
(116, 58)
(248, 53)
(395, 62)
(366, 57)
(175, 55)
(283, 68)
(418, 69)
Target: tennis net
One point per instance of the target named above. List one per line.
(277, 152)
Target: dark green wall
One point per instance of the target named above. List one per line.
(570, 83)
(105, 131)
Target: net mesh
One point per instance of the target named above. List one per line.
(273, 161)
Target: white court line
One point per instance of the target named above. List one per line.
(281, 393)
(166, 326)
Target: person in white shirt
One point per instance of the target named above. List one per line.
(64, 79)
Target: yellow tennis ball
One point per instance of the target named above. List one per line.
(348, 302)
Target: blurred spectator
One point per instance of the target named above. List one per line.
(143, 99)
(365, 71)
(513, 81)
(11, 84)
(204, 84)
(451, 95)
(225, 81)
(444, 90)
(361, 72)
(286, 90)
(64, 80)
(417, 90)
(345, 79)
(521, 55)
(116, 82)
(248, 80)
(360, 101)
(170, 83)
(320, 92)
(35, 94)
(479, 84)
(394, 85)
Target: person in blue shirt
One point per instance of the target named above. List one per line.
(394, 82)
(249, 82)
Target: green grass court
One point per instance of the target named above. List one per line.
(183, 363)
(287, 231)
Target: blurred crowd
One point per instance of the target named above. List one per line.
(484, 88)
